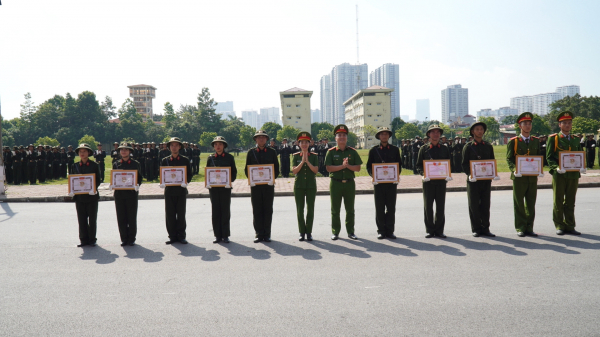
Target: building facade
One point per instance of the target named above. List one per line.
(225, 109)
(541, 103)
(250, 117)
(422, 110)
(370, 106)
(500, 113)
(455, 103)
(269, 115)
(388, 76)
(343, 81)
(522, 104)
(295, 107)
(568, 90)
(326, 108)
(142, 95)
(315, 116)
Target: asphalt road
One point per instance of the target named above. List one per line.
(503, 286)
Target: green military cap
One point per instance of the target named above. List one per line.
(99, 144)
(340, 128)
(434, 127)
(563, 116)
(478, 123)
(220, 139)
(383, 129)
(84, 146)
(525, 116)
(125, 146)
(174, 140)
(303, 136)
(260, 133)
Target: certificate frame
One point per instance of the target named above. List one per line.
(520, 159)
(376, 168)
(427, 168)
(261, 167)
(116, 174)
(74, 181)
(216, 169)
(165, 169)
(485, 162)
(562, 161)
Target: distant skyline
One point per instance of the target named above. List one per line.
(55, 47)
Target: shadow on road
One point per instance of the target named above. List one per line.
(373, 246)
(428, 247)
(284, 249)
(191, 250)
(482, 245)
(101, 255)
(139, 252)
(575, 242)
(338, 249)
(526, 244)
(7, 211)
(236, 249)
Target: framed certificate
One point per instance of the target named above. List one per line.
(529, 165)
(437, 169)
(123, 179)
(217, 176)
(483, 169)
(571, 160)
(385, 173)
(261, 174)
(173, 175)
(82, 183)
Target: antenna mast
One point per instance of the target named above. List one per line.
(357, 54)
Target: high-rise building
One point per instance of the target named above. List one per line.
(142, 95)
(250, 117)
(269, 115)
(568, 90)
(315, 116)
(370, 106)
(344, 80)
(388, 76)
(522, 104)
(541, 102)
(225, 109)
(295, 107)
(422, 110)
(455, 103)
(498, 114)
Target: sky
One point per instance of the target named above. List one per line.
(249, 51)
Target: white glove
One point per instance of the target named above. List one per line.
(161, 185)
(518, 175)
(227, 186)
(137, 188)
(448, 178)
(191, 161)
(561, 171)
(49, 165)
(92, 193)
(583, 170)
(184, 185)
(544, 145)
(471, 179)
(593, 145)
(252, 185)
(426, 179)
(270, 183)
(497, 178)
(110, 187)
(541, 175)
(208, 186)
(71, 194)
(375, 183)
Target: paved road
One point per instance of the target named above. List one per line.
(506, 286)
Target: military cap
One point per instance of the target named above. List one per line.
(70, 146)
(99, 144)
(284, 140)
(116, 143)
(21, 147)
(383, 129)
(31, 145)
(174, 140)
(125, 146)
(340, 128)
(457, 137)
(303, 136)
(260, 133)
(525, 116)
(478, 123)
(434, 127)
(15, 147)
(84, 146)
(563, 116)
(219, 139)
(62, 147)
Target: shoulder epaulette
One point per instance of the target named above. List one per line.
(534, 137)
(295, 153)
(350, 147)
(314, 153)
(513, 138)
(552, 135)
(333, 148)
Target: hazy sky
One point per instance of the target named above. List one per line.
(249, 51)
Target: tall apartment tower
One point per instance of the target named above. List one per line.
(568, 90)
(388, 76)
(344, 81)
(522, 104)
(295, 108)
(250, 117)
(422, 110)
(455, 103)
(142, 95)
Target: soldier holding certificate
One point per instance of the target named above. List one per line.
(220, 197)
(86, 205)
(479, 192)
(305, 165)
(262, 196)
(126, 201)
(564, 184)
(434, 190)
(524, 187)
(385, 194)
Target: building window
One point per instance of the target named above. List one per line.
(289, 106)
(378, 103)
(378, 115)
(297, 105)
(368, 103)
(369, 116)
(289, 118)
(298, 117)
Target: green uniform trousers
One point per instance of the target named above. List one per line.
(309, 195)
(524, 197)
(479, 194)
(220, 200)
(87, 214)
(565, 190)
(127, 209)
(434, 224)
(385, 208)
(347, 191)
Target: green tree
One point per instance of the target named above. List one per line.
(352, 139)
(585, 125)
(206, 138)
(397, 123)
(46, 141)
(169, 118)
(315, 128)
(108, 108)
(288, 132)
(509, 120)
(90, 140)
(271, 128)
(245, 137)
(207, 119)
(325, 134)
(408, 131)
(493, 128)
(369, 131)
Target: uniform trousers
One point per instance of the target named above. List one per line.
(591, 157)
(17, 173)
(524, 198)
(127, 209)
(338, 191)
(87, 214)
(31, 172)
(385, 208)
(262, 197)
(150, 169)
(434, 224)
(220, 200)
(565, 190)
(285, 166)
(308, 196)
(479, 194)
(175, 207)
(101, 167)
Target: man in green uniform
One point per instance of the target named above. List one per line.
(126, 201)
(524, 187)
(564, 184)
(385, 194)
(341, 162)
(479, 192)
(434, 190)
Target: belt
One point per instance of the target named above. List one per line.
(343, 180)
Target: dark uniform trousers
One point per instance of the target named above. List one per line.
(31, 172)
(17, 171)
(565, 191)
(262, 197)
(175, 207)
(150, 169)
(127, 218)
(385, 208)
(524, 199)
(101, 168)
(338, 191)
(434, 192)
(479, 194)
(285, 164)
(87, 215)
(220, 199)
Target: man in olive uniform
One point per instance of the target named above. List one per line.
(284, 155)
(564, 184)
(524, 187)
(434, 191)
(70, 158)
(385, 194)
(342, 161)
(590, 148)
(126, 201)
(262, 196)
(86, 204)
(99, 157)
(479, 192)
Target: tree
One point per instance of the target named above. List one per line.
(509, 120)
(89, 140)
(493, 128)
(46, 141)
(288, 132)
(408, 131)
(315, 128)
(108, 109)
(352, 139)
(369, 131)
(207, 119)
(585, 125)
(397, 123)
(246, 136)
(271, 128)
(325, 134)
(169, 117)
(206, 138)
(580, 106)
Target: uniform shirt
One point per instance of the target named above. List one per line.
(335, 157)
(557, 143)
(523, 149)
(178, 161)
(99, 156)
(223, 160)
(305, 178)
(71, 156)
(114, 154)
(475, 151)
(589, 143)
(285, 151)
(130, 164)
(89, 167)
(256, 156)
(432, 152)
(384, 154)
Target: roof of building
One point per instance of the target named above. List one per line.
(373, 88)
(116, 120)
(469, 116)
(294, 89)
(140, 85)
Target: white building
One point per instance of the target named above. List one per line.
(423, 110)
(498, 114)
(315, 116)
(250, 117)
(225, 109)
(455, 103)
(541, 103)
(405, 117)
(269, 115)
(522, 104)
(142, 95)
(326, 97)
(343, 81)
(371, 106)
(295, 107)
(388, 76)
(568, 90)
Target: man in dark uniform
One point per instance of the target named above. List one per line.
(32, 160)
(165, 152)
(196, 155)
(457, 158)
(86, 204)
(262, 196)
(414, 152)
(434, 191)
(126, 201)
(176, 196)
(99, 157)
(478, 191)
(273, 145)
(156, 160)
(49, 163)
(55, 163)
(590, 147)
(17, 163)
(114, 154)
(24, 165)
(70, 159)
(40, 162)
(284, 155)
(385, 194)
(142, 158)
(149, 158)
(7, 158)
(220, 197)
(322, 153)
(63, 162)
